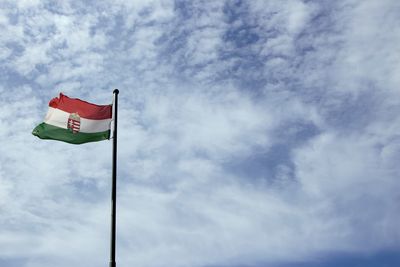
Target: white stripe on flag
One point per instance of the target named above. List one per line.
(59, 118)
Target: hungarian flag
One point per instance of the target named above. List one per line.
(75, 121)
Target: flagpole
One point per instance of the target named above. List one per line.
(114, 181)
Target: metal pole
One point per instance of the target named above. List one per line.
(114, 182)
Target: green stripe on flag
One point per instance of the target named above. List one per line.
(47, 131)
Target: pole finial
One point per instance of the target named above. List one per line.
(116, 91)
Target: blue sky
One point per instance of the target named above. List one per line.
(259, 133)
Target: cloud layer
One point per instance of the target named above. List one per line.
(251, 132)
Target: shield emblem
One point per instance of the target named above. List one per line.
(74, 122)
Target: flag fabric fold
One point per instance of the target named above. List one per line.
(75, 121)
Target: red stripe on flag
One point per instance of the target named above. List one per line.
(84, 109)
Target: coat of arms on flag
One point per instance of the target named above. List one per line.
(74, 122)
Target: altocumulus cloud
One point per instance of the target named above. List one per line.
(252, 133)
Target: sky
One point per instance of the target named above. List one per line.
(258, 133)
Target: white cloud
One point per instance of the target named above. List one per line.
(352, 180)
(369, 50)
(299, 15)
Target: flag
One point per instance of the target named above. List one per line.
(75, 121)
